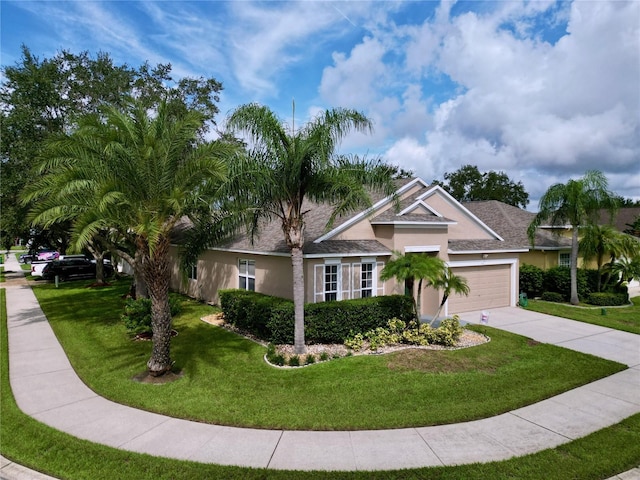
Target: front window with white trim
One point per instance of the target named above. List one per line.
(331, 291)
(193, 272)
(366, 279)
(564, 260)
(247, 274)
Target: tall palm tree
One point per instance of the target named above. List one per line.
(575, 203)
(409, 267)
(140, 172)
(284, 167)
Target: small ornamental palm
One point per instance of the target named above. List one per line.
(449, 283)
(407, 268)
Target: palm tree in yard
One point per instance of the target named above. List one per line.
(449, 283)
(138, 172)
(284, 167)
(411, 267)
(577, 204)
(600, 242)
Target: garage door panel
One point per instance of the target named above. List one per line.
(489, 287)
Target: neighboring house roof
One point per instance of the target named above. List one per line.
(511, 223)
(622, 219)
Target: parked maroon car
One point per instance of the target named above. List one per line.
(47, 255)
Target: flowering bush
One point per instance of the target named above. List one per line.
(398, 332)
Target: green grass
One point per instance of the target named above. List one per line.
(226, 380)
(619, 318)
(24, 440)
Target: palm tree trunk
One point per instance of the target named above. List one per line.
(157, 279)
(298, 299)
(418, 303)
(139, 261)
(437, 314)
(574, 266)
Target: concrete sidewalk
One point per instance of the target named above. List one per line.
(46, 388)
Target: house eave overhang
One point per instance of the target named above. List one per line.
(346, 255)
(469, 252)
(400, 223)
(543, 249)
(249, 252)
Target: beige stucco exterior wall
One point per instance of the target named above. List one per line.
(362, 230)
(550, 258)
(466, 227)
(218, 270)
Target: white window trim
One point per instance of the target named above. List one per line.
(246, 276)
(193, 273)
(421, 248)
(560, 263)
(374, 276)
(338, 290)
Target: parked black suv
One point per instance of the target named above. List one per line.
(73, 267)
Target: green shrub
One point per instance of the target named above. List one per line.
(334, 322)
(250, 311)
(273, 357)
(607, 299)
(447, 334)
(310, 359)
(553, 297)
(355, 341)
(294, 361)
(591, 277)
(531, 280)
(558, 280)
(324, 356)
(137, 313)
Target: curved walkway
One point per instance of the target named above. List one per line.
(47, 388)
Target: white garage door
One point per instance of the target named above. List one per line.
(489, 287)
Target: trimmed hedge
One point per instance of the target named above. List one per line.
(272, 318)
(333, 322)
(531, 280)
(607, 299)
(558, 279)
(250, 311)
(553, 297)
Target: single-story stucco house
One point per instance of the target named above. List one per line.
(484, 242)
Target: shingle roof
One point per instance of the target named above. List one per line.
(622, 219)
(511, 224)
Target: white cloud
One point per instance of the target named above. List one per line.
(354, 81)
(550, 110)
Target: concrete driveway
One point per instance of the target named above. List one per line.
(603, 342)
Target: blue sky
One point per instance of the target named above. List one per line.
(541, 90)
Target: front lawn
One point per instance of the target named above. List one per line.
(24, 440)
(226, 380)
(620, 318)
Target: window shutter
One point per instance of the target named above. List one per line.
(356, 283)
(345, 281)
(318, 283)
(380, 283)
